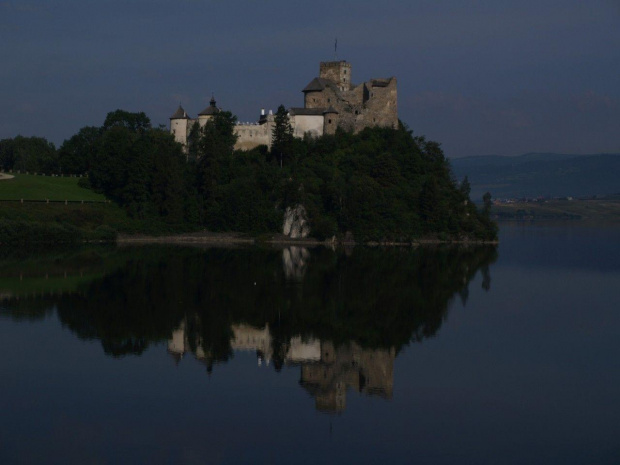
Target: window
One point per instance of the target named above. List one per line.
(329, 121)
(329, 100)
(345, 71)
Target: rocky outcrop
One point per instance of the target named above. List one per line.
(296, 224)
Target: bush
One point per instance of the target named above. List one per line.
(26, 232)
(105, 233)
(324, 228)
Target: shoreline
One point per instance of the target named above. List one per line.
(210, 238)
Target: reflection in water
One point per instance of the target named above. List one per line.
(341, 317)
(326, 370)
(349, 366)
(294, 261)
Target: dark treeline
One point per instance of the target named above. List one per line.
(29, 154)
(375, 298)
(382, 184)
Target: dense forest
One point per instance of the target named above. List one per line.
(382, 184)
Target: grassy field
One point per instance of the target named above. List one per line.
(585, 210)
(31, 187)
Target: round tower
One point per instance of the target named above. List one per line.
(178, 125)
(206, 114)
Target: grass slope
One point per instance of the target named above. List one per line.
(31, 187)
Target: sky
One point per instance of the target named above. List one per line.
(481, 77)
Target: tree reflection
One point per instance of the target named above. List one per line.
(342, 317)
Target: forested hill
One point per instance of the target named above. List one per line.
(381, 185)
(540, 174)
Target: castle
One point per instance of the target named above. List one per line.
(330, 101)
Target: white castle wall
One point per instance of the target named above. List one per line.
(312, 124)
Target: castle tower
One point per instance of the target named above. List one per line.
(330, 122)
(178, 125)
(206, 114)
(338, 72)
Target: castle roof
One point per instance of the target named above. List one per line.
(318, 84)
(330, 110)
(211, 109)
(180, 114)
(307, 111)
(381, 82)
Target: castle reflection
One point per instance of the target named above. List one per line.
(341, 318)
(327, 369)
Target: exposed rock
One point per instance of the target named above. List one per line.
(295, 223)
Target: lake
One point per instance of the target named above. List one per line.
(435, 355)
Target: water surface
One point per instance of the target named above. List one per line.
(435, 355)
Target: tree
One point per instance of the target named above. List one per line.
(167, 182)
(216, 146)
(135, 122)
(76, 154)
(430, 205)
(218, 137)
(465, 188)
(282, 135)
(193, 142)
(31, 154)
(486, 201)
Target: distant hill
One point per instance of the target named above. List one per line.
(540, 174)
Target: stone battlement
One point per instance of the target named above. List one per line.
(330, 101)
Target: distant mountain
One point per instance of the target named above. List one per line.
(540, 174)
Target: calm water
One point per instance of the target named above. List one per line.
(166, 355)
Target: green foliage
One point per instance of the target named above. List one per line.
(25, 232)
(282, 136)
(216, 147)
(465, 187)
(193, 142)
(487, 204)
(28, 154)
(382, 184)
(76, 155)
(134, 122)
(140, 168)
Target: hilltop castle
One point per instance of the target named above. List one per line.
(330, 101)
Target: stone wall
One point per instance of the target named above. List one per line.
(253, 135)
(337, 71)
(372, 103)
(312, 124)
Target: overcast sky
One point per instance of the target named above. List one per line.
(481, 77)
